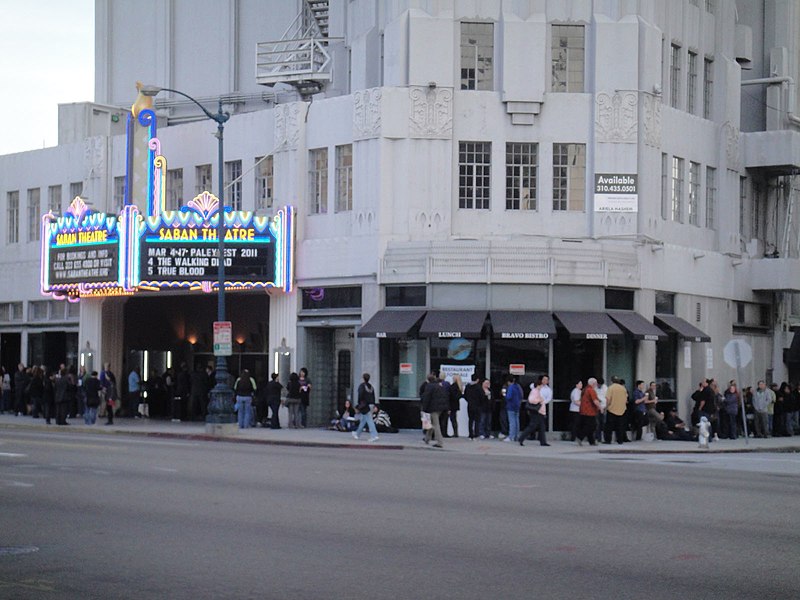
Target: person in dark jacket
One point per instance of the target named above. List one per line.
(366, 400)
(293, 400)
(93, 387)
(49, 397)
(63, 397)
(20, 383)
(272, 392)
(36, 391)
(455, 393)
(474, 396)
(435, 400)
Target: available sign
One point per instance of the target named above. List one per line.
(516, 369)
(406, 368)
(223, 339)
(616, 192)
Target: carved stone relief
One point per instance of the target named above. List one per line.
(367, 113)
(94, 157)
(431, 112)
(652, 120)
(731, 141)
(287, 125)
(617, 118)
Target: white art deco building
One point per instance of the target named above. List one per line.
(577, 187)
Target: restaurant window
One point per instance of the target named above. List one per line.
(331, 297)
(406, 295)
(528, 356)
(458, 352)
(666, 365)
(619, 299)
(402, 367)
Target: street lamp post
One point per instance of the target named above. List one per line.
(220, 407)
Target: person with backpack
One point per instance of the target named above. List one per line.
(366, 400)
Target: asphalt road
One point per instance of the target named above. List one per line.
(82, 516)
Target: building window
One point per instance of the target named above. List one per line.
(710, 6)
(569, 176)
(402, 365)
(521, 166)
(264, 182)
(744, 222)
(174, 189)
(665, 303)
(708, 86)
(34, 214)
(674, 75)
(474, 168)
(202, 179)
(75, 190)
(38, 310)
(691, 84)
(677, 189)
(10, 311)
(406, 295)
(331, 297)
(119, 191)
(73, 310)
(344, 178)
(233, 184)
(567, 58)
(477, 56)
(665, 198)
(13, 217)
(694, 193)
(711, 197)
(54, 199)
(318, 180)
(619, 299)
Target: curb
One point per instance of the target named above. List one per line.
(695, 450)
(202, 437)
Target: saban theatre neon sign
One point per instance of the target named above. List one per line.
(88, 253)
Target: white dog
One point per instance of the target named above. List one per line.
(705, 427)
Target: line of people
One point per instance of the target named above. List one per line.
(59, 394)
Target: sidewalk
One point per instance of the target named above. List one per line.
(406, 439)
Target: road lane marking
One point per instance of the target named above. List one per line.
(12, 455)
(12, 483)
(166, 470)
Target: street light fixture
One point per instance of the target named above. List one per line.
(220, 408)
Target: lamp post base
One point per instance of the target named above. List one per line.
(220, 407)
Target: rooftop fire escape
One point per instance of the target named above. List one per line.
(300, 58)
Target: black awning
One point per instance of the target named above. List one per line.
(682, 327)
(453, 323)
(792, 353)
(522, 325)
(639, 327)
(391, 323)
(588, 325)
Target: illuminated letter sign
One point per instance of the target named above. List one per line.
(79, 249)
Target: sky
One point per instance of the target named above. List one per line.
(46, 59)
